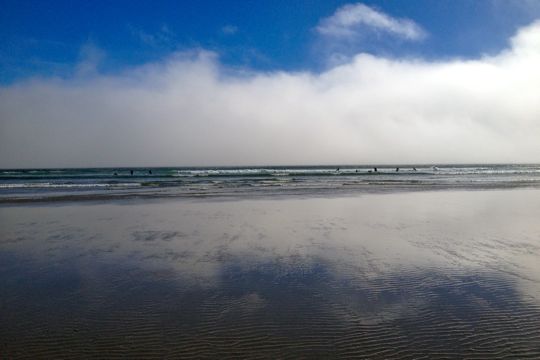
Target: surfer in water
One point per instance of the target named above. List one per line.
(131, 172)
(375, 169)
(397, 169)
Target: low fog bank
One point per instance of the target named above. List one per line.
(191, 110)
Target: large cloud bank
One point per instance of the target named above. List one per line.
(190, 110)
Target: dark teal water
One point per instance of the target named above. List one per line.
(39, 184)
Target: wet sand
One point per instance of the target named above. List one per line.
(447, 274)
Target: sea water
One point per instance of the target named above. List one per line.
(91, 183)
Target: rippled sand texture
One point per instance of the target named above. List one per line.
(408, 275)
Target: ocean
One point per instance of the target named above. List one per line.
(101, 183)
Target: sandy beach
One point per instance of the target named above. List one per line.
(270, 179)
(446, 274)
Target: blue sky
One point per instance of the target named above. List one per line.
(173, 83)
(50, 37)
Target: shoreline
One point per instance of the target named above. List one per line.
(243, 194)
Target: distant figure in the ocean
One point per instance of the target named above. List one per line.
(356, 170)
(397, 169)
(131, 172)
(115, 173)
(375, 169)
(337, 169)
(414, 169)
(150, 172)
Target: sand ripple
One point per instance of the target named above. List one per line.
(260, 313)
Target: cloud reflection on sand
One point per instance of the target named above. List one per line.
(395, 273)
(494, 230)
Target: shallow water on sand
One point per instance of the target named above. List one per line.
(448, 274)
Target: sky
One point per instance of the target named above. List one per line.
(187, 83)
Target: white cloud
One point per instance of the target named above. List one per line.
(229, 29)
(190, 110)
(90, 57)
(350, 20)
(163, 37)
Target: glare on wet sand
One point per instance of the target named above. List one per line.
(404, 275)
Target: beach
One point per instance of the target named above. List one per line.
(270, 179)
(407, 274)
